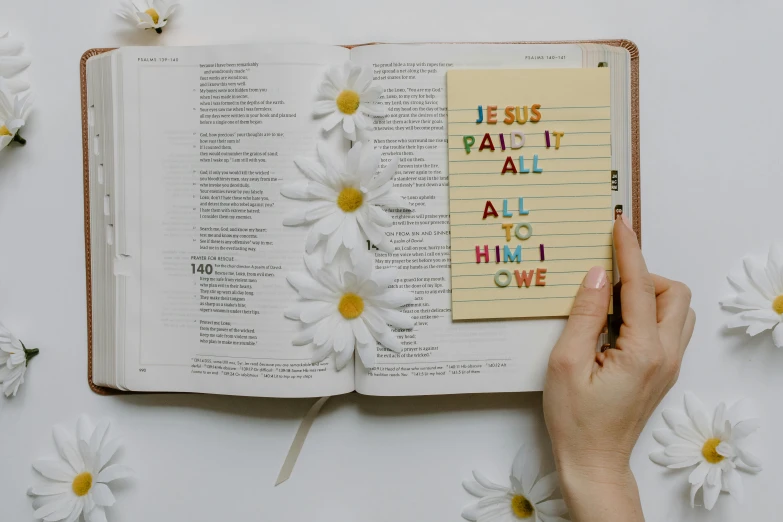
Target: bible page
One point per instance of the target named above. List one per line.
(441, 356)
(210, 136)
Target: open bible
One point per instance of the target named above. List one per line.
(186, 150)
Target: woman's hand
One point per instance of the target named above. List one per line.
(596, 404)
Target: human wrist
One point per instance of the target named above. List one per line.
(600, 492)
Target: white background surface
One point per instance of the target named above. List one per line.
(712, 191)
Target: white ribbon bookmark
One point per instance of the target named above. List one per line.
(299, 439)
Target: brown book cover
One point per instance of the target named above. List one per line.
(636, 203)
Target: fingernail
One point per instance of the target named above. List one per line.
(627, 223)
(595, 278)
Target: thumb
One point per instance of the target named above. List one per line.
(588, 316)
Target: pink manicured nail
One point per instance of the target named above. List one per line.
(627, 223)
(595, 278)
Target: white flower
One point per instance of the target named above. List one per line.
(345, 200)
(13, 112)
(525, 499)
(348, 305)
(14, 358)
(12, 63)
(759, 304)
(147, 14)
(714, 444)
(348, 96)
(78, 482)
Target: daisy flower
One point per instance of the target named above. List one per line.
(525, 499)
(13, 112)
(14, 358)
(12, 63)
(713, 444)
(78, 481)
(344, 200)
(348, 96)
(346, 306)
(759, 304)
(147, 14)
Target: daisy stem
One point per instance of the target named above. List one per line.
(158, 30)
(29, 353)
(19, 139)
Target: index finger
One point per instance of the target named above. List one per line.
(637, 295)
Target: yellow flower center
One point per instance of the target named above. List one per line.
(350, 199)
(4, 131)
(710, 451)
(348, 101)
(777, 304)
(522, 507)
(351, 306)
(153, 14)
(82, 483)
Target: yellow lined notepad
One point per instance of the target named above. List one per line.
(560, 117)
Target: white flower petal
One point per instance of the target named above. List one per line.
(544, 488)
(393, 298)
(371, 230)
(662, 459)
(476, 489)
(13, 65)
(57, 508)
(392, 201)
(55, 470)
(685, 462)
(777, 335)
(107, 452)
(748, 458)
(694, 489)
(67, 450)
(373, 109)
(75, 512)
(53, 488)
(343, 357)
(321, 353)
(324, 107)
(681, 425)
(744, 428)
(349, 128)
(313, 311)
(698, 414)
(324, 331)
(367, 352)
(396, 318)
(96, 515)
(343, 336)
(486, 483)
(363, 81)
(775, 267)
(102, 495)
(758, 277)
(333, 244)
(682, 450)
(732, 482)
(555, 507)
(471, 512)
(312, 170)
(309, 288)
(719, 420)
(666, 437)
(372, 94)
(712, 489)
(331, 121)
(699, 474)
(351, 235)
(98, 435)
(114, 472)
(725, 449)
